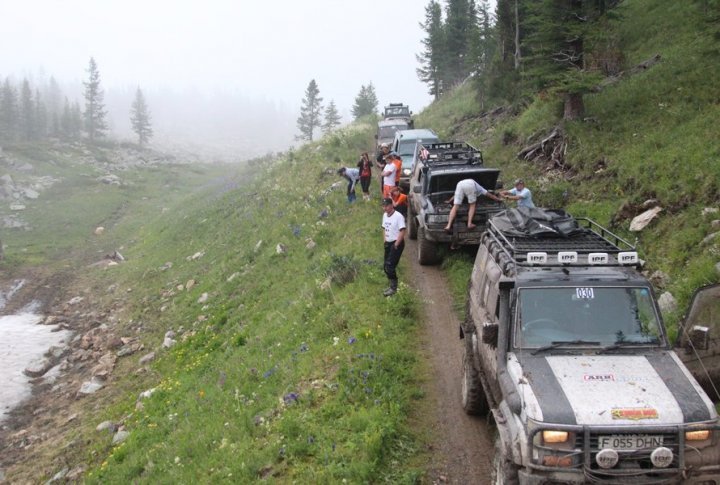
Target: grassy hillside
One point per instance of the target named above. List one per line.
(652, 135)
(289, 362)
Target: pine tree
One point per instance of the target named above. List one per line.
(140, 118)
(76, 120)
(310, 111)
(53, 95)
(27, 112)
(95, 123)
(366, 102)
(483, 48)
(557, 50)
(41, 117)
(9, 116)
(332, 118)
(460, 20)
(66, 121)
(433, 55)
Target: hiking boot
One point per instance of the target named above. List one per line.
(390, 291)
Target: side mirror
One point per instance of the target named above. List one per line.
(498, 185)
(417, 189)
(490, 334)
(698, 338)
(376, 137)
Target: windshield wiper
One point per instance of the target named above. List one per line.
(561, 343)
(625, 343)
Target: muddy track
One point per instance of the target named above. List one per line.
(461, 445)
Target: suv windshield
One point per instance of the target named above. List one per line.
(389, 131)
(601, 315)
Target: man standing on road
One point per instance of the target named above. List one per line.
(388, 177)
(393, 224)
(470, 189)
(520, 193)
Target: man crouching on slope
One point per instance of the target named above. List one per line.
(393, 224)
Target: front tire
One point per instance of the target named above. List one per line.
(427, 250)
(412, 224)
(474, 401)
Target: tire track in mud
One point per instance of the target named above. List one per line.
(461, 445)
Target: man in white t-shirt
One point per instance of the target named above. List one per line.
(469, 189)
(388, 177)
(393, 224)
(520, 193)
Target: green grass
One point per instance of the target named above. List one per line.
(278, 375)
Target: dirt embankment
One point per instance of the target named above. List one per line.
(461, 445)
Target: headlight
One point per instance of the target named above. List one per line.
(406, 171)
(555, 436)
(700, 435)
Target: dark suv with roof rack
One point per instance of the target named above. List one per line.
(438, 169)
(565, 345)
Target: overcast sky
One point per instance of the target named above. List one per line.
(268, 49)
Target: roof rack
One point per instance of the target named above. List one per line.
(451, 153)
(593, 246)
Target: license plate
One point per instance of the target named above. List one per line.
(629, 441)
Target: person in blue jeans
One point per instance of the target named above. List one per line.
(353, 176)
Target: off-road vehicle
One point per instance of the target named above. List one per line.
(565, 346)
(406, 144)
(386, 130)
(398, 111)
(432, 184)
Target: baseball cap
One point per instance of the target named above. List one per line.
(387, 201)
(384, 145)
(519, 181)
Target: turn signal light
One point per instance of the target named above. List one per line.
(700, 435)
(552, 460)
(555, 436)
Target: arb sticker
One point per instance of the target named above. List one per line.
(634, 413)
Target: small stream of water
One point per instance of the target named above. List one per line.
(22, 341)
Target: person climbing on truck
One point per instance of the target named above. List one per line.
(470, 189)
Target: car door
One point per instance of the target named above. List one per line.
(698, 340)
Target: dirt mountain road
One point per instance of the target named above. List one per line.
(462, 446)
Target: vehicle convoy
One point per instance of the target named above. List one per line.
(565, 346)
(399, 111)
(386, 130)
(432, 183)
(406, 144)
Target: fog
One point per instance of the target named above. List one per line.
(227, 75)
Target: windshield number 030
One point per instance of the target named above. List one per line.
(584, 293)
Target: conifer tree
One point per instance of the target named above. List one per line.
(310, 111)
(366, 102)
(66, 120)
(95, 122)
(460, 23)
(140, 118)
(41, 121)
(76, 120)
(433, 55)
(556, 58)
(8, 112)
(27, 112)
(332, 118)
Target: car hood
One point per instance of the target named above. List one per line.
(652, 389)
